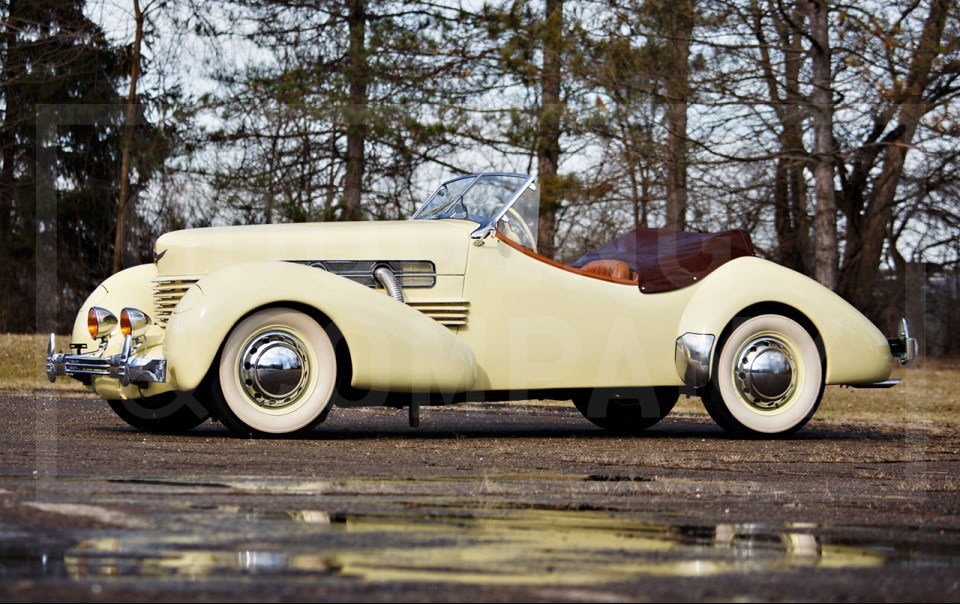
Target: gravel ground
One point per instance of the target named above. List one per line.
(482, 502)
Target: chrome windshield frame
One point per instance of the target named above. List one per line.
(475, 177)
(487, 228)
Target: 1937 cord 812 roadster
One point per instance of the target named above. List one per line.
(266, 327)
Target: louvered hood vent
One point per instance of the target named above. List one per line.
(166, 293)
(452, 313)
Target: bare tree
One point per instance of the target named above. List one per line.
(869, 206)
(824, 152)
(339, 107)
(781, 61)
(130, 116)
(676, 25)
(548, 135)
(357, 79)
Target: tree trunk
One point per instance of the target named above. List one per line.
(790, 191)
(632, 166)
(677, 85)
(8, 142)
(11, 298)
(790, 200)
(357, 113)
(548, 139)
(128, 128)
(863, 268)
(825, 220)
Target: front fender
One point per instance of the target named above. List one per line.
(856, 351)
(392, 346)
(130, 287)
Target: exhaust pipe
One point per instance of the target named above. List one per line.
(388, 280)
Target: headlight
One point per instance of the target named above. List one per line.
(100, 322)
(134, 322)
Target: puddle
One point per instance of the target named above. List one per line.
(496, 546)
(90, 512)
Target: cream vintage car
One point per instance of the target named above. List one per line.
(266, 327)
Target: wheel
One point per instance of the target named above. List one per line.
(767, 378)
(276, 374)
(165, 413)
(627, 412)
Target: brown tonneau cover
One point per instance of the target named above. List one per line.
(666, 259)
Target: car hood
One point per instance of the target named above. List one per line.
(197, 252)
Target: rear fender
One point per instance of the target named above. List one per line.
(856, 351)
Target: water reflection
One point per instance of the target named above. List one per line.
(503, 547)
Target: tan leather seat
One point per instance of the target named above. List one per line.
(615, 269)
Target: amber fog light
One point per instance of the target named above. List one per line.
(100, 322)
(134, 322)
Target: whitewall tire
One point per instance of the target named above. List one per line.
(767, 377)
(276, 375)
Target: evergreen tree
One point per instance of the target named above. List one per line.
(528, 53)
(52, 56)
(341, 104)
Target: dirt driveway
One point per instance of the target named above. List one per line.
(488, 502)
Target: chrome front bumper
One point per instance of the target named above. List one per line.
(124, 366)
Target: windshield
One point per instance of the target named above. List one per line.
(475, 197)
(510, 199)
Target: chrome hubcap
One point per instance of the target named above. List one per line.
(765, 373)
(274, 369)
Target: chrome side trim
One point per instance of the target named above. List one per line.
(692, 357)
(409, 273)
(124, 367)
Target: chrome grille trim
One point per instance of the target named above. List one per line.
(409, 273)
(166, 295)
(450, 313)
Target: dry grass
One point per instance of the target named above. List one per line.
(21, 364)
(930, 390)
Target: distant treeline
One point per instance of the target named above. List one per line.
(827, 130)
